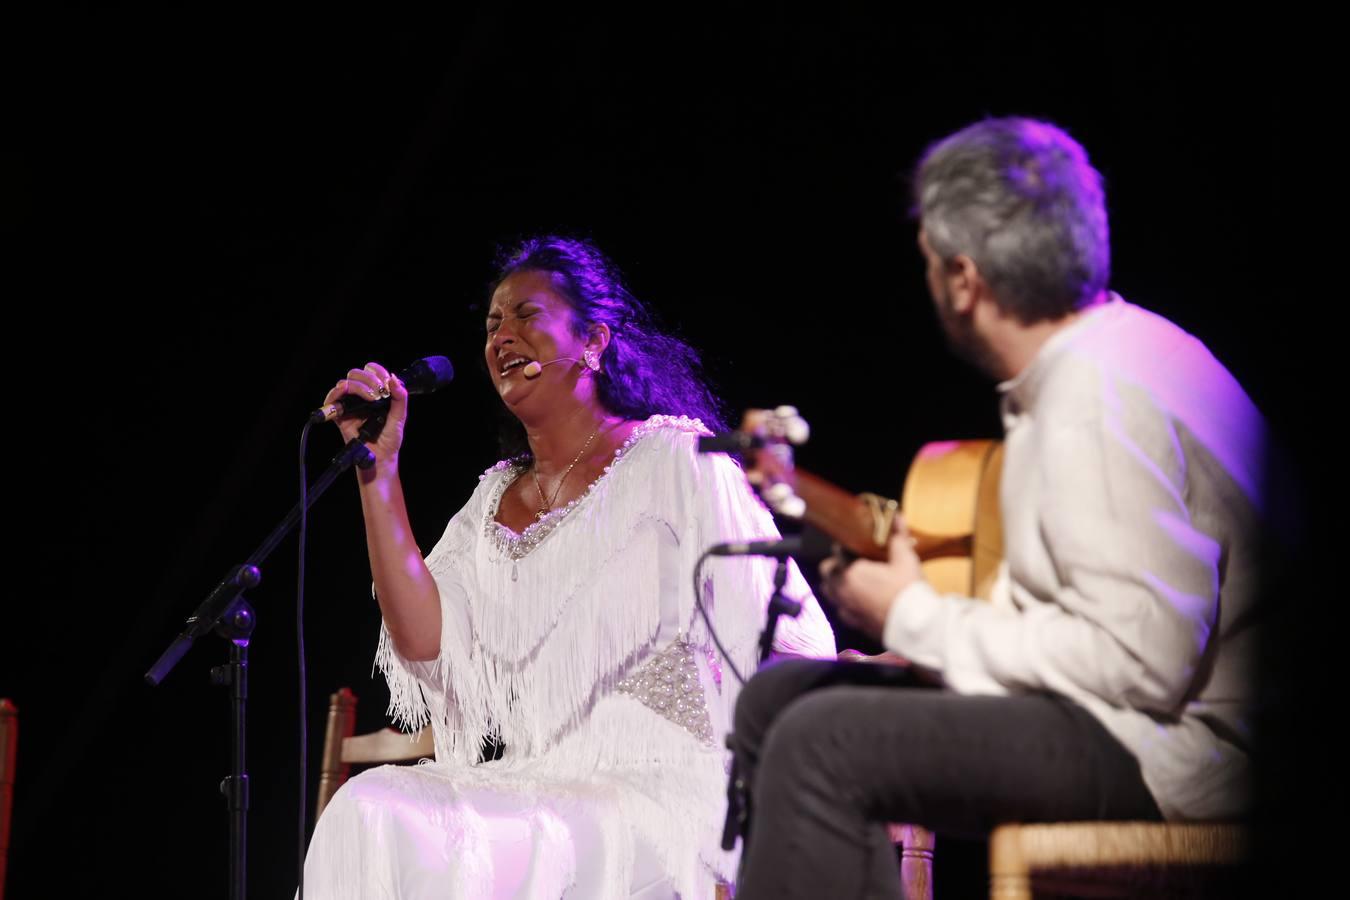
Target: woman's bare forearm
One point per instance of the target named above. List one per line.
(408, 597)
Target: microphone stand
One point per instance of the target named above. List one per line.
(226, 612)
(738, 800)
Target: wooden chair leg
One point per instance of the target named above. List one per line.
(1009, 874)
(341, 724)
(9, 743)
(916, 860)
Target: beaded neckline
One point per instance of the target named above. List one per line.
(517, 545)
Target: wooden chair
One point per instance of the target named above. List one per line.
(342, 748)
(916, 860)
(9, 745)
(1116, 859)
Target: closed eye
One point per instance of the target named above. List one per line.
(494, 322)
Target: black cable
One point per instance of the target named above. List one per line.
(698, 602)
(300, 656)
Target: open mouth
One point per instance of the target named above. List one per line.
(513, 363)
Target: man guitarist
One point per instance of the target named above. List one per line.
(1108, 678)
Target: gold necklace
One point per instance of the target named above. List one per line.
(534, 470)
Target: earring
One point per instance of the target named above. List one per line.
(592, 361)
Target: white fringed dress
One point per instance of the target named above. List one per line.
(578, 645)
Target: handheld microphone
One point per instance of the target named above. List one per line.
(421, 377)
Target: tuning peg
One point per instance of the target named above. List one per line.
(784, 501)
(793, 428)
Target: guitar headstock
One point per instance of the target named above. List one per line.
(782, 425)
(769, 463)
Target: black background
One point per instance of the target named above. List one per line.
(212, 216)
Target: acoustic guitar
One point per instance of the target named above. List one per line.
(949, 502)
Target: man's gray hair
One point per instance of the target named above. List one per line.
(1019, 198)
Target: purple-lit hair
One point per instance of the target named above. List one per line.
(645, 370)
(1020, 198)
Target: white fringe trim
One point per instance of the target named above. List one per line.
(532, 648)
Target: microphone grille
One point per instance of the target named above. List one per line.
(429, 374)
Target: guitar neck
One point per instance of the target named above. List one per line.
(851, 522)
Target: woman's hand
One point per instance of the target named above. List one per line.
(373, 383)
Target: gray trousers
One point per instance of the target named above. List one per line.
(832, 751)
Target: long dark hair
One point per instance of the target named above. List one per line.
(646, 370)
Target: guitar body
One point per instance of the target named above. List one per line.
(950, 501)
